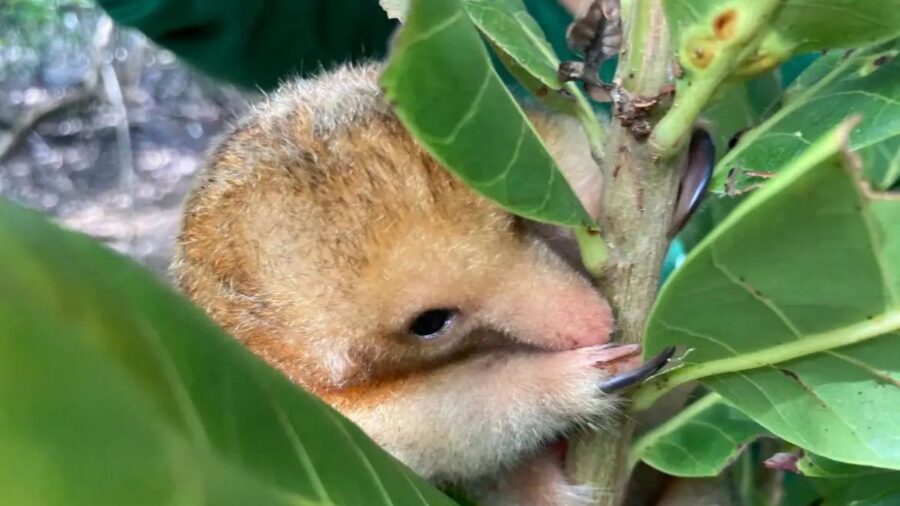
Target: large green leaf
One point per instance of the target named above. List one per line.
(114, 390)
(792, 308)
(440, 79)
(866, 83)
(700, 441)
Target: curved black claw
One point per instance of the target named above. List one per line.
(635, 376)
(701, 159)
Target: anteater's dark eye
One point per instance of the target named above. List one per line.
(429, 324)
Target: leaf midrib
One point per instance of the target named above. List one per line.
(811, 344)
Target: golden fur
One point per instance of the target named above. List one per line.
(320, 229)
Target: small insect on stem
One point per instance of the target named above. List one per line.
(731, 184)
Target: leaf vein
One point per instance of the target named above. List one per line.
(362, 456)
(434, 30)
(724, 434)
(829, 408)
(470, 112)
(798, 434)
(881, 375)
(699, 465)
(300, 450)
(699, 335)
(768, 303)
(512, 161)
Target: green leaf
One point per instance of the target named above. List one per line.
(714, 209)
(839, 484)
(830, 90)
(511, 28)
(440, 79)
(792, 308)
(875, 490)
(816, 466)
(114, 390)
(735, 108)
(700, 441)
(810, 25)
(525, 51)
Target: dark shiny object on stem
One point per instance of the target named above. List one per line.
(701, 159)
(635, 376)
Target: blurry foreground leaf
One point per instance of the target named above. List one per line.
(114, 390)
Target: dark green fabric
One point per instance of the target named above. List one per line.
(257, 43)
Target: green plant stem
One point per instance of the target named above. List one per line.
(694, 91)
(638, 198)
(590, 122)
(591, 245)
(594, 252)
(815, 343)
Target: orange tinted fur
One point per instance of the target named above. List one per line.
(320, 230)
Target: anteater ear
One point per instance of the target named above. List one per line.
(568, 144)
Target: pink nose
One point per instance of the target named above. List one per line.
(587, 322)
(572, 317)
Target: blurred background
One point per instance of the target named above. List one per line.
(99, 128)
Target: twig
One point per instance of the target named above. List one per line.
(639, 192)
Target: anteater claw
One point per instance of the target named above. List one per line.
(635, 376)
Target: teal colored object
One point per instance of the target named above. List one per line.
(795, 66)
(674, 258)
